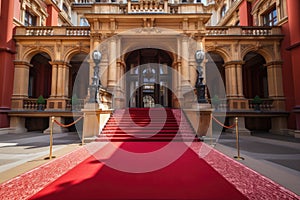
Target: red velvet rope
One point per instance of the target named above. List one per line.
(232, 126)
(65, 126)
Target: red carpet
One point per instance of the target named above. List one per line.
(148, 158)
(144, 124)
(189, 177)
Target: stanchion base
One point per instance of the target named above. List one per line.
(49, 158)
(239, 158)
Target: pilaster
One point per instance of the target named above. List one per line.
(234, 86)
(112, 70)
(20, 88)
(275, 85)
(59, 85)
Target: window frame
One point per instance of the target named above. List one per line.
(268, 18)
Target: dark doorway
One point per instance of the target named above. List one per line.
(149, 78)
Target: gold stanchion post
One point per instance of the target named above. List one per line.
(51, 139)
(238, 157)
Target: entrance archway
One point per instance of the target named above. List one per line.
(149, 79)
(214, 80)
(40, 76)
(81, 66)
(255, 76)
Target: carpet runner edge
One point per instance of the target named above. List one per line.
(261, 187)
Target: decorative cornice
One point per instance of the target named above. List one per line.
(234, 62)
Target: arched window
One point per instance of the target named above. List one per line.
(223, 11)
(65, 8)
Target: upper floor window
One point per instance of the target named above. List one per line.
(84, 22)
(30, 19)
(223, 11)
(270, 18)
(65, 8)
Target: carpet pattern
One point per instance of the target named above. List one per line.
(200, 172)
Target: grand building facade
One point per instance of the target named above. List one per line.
(148, 50)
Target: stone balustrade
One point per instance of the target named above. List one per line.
(265, 105)
(52, 31)
(31, 104)
(243, 31)
(147, 6)
(85, 31)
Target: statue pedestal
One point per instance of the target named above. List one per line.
(200, 117)
(94, 119)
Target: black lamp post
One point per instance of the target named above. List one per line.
(200, 87)
(96, 83)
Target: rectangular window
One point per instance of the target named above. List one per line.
(30, 20)
(270, 18)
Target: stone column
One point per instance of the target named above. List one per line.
(54, 79)
(59, 86)
(275, 85)
(239, 74)
(234, 86)
(185, 62)
(112, 70)
(21, 82)
(230, 71)
(175, 83)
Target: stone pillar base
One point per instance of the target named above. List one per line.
(17, 125)
(56, 103)
(297, 134)
(238, 103)
(200, 119)
(279, 125)
(91, 120)
(94, 120)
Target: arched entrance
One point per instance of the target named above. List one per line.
(149, 78)
(255, 76)
(215, 75)
(40, 76)
(79, 72)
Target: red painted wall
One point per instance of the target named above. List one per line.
(17, 10)
(52, 19)
(287, 68)
(294, 32)
(6, 59)
(244, 13)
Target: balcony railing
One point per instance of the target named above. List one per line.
(84, 1)
(85, 31)
(51, 31)
(265, 105)
(31, 104)
(242, 31)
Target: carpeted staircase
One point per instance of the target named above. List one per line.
(145, 124)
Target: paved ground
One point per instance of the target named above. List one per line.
(22, 152)
(276, 157)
